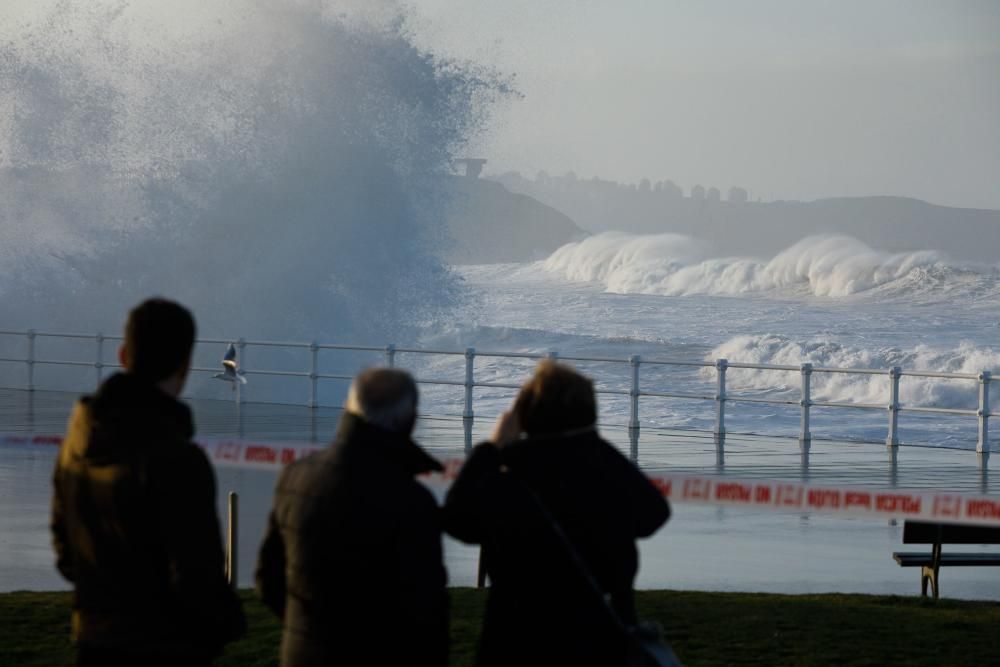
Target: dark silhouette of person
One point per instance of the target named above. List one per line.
(134, 520)
(545, 465)
(352, 559)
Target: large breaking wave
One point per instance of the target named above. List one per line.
(269, 163)
(965, 357)
(829, 266)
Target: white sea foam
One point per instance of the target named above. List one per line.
(965, 357)
(829, 266)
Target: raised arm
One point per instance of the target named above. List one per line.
(463, 505)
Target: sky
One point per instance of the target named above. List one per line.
(791, 99)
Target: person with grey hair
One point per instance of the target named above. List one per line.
(351, 560)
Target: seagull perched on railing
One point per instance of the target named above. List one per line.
(230, 373)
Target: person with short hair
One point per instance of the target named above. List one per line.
(352, 559)
(134, 521)
(544, 496)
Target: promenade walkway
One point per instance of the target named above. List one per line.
(706, 548)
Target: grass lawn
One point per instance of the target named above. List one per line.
(704, 629)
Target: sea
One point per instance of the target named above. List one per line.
(829, 301)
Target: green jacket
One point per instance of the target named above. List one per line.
(135, 528)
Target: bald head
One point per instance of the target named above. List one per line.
(385, 397)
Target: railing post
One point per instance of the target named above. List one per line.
(313, 374)
(805, 435)
(983, 445)
(892, 440)
(633, 394)
(241, 350)
(30, 361)
(720, 399)
(232, 540)
(468, 415)
(99, 361)
(390, 355)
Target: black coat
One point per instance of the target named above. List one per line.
(135, 529)
(540, 610)
(352, 556)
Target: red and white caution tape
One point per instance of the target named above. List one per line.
(824, 499)
(29, 440)
(261, 455)
(784, 496)
(221, 451)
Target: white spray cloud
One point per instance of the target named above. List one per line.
(270, 163)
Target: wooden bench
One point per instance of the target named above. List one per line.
(937, 534)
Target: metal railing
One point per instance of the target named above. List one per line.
(634, 393)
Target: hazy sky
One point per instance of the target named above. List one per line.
(793, 99)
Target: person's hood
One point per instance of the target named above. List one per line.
(124, 416)
(395, 447)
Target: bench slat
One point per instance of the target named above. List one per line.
(910, 559)
(928, 532)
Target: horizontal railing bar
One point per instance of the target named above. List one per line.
(68, 334)
(763, 367)
(749, 399)
(415, 350)
(512, 355)
(943, 411)
(720, 397)
(944, 376)
(275, 343)
(676, 362)
(497, 385)
(525, 355)
(610, 360)
(298, 374)
(354, 348)
(836, 404)
(668, 394)
(856, 371)
(61, 362)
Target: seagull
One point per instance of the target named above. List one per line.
(230, 373)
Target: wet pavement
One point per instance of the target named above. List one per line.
(701, 548)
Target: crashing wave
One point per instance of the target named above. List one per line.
(829, 266)
(966, 358)
(269, 163)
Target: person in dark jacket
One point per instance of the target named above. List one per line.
(546, 464)
(352, 558)
(134, 521)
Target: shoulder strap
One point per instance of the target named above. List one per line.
(573, 554)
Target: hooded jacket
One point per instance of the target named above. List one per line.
(352, 557)
(541, 609)
(135, 529)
